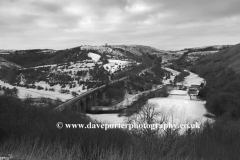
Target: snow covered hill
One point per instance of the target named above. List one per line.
(75, 70)
(69, 79)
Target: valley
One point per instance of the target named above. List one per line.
(97, 66)
(108, 85)
(119, 80)
(67, 81)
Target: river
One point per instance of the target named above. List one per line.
(177, 104)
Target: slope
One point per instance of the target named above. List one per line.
(222, 91)
(138, 49)
(229, 58)
(6, 64)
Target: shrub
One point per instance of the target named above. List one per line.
(11, 92)
(40, 88)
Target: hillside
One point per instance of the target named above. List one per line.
(229, 57)
(74, 71)
(6, 64)
(222, 72)
(36, 57)
(190, 56)
(138, 49)
(206, 50)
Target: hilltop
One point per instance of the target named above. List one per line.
(36, 57)
(138, 49)
(205, 50)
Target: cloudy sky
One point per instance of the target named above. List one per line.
(164, 24)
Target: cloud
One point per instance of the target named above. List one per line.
(171, 24)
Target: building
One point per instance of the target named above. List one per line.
(193, 91)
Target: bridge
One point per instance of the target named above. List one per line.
(86, 100)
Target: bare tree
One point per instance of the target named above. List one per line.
(147, 120)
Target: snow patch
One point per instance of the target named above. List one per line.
(193, 79)
(107, 118)
(95, 57)
(181, 108)
(114, 65)
(23, 92)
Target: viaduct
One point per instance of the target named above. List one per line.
(85, 101)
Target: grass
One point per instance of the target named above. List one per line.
(28, 132)
(208, 144)
(26, 148)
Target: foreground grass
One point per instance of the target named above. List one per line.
(28, 132)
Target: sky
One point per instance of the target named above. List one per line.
(163, 24)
